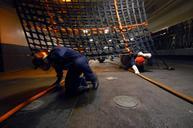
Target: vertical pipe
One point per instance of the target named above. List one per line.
(120, 25)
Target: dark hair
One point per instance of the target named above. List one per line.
(37, 62)
(41, 63)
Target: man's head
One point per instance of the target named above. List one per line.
(40, 60)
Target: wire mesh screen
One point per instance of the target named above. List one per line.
(93, 27)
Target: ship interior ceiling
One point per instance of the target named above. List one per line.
(160, 96)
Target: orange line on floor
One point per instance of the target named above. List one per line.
(166, 88)
(20, 106)
(169, 89)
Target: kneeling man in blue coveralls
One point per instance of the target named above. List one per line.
(76, 64)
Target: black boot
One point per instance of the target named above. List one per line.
(95, 84)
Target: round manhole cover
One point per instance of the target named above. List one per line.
(125, 101)
(34, 105)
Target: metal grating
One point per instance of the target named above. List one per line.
(93, 27)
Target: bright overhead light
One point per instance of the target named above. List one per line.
(132, 39)
(106, 30)
(105, 47)
(66, 0)
(110, 40)
(85, 31)
(91, 40)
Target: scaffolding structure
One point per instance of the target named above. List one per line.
(93, 27)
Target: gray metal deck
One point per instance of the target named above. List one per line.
(155, 108)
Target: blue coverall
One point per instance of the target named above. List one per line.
(62, 58)
(128, 61)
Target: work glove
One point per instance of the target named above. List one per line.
(136, 71)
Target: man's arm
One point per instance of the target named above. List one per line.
(146, 55)
(59, 74)
(134, 67)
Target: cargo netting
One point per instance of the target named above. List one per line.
(93, 27)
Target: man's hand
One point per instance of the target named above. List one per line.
(59, 83)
